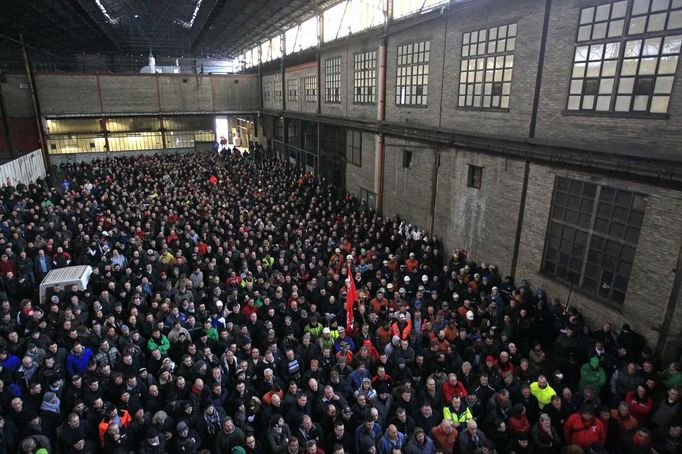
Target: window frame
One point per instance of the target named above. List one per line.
(354, 148)
(310, 94)
(487, 52)
(658, 101)
(369, 197)
(474, 176)
(603, 252)
(407, 69)
(407, 159)
(292, 87)
(277, 89)
(332, 80)
(365, 77)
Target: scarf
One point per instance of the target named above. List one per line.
(212, 422)
(52, 406)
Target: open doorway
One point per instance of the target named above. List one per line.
(223, 134)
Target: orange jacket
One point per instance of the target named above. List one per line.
(104, 425)
(405, 332)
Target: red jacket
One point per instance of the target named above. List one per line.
(450, 391)
(639, 409)
(519, 425)
(584, 433)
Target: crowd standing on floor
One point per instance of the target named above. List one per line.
(215, 321)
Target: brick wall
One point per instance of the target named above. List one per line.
(81, 93)
(482, 221)
(655, 261)
(408, 191)
(644, 137)
(301, 105)
(362, 176)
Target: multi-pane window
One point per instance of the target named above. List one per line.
(369, 197)
(354, 148)
(310, 87)
(486, 68)
(603, 21)
(592, 237)
(278, 88)
(650, 16)
(615, 68)
(594, 73)
(267, 92)
(412, 82)
(292, 90)
(364, 77)
(332, 80)
(647, 74)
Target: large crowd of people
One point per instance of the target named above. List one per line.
(215, 321)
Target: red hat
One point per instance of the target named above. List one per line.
(489, 358)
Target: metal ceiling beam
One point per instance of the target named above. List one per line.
(80, 9)
(281, 21)
(215, 10)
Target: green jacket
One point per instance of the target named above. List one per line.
(670, 379)
(591, 376)
(163, 346)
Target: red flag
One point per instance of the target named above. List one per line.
(351, 298)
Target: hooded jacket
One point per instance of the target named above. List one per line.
(591, 373)
(583, 433)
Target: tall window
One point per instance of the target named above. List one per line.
(310, 86)
(364, 77)
(407, 159)
(475, 177)
(626, 57)
(267, 92)
(486, 69)
(278, 88)
(592, 237)
(354, 148)
(332, 80)
(413, 74)
(292, 90)
(369, 197)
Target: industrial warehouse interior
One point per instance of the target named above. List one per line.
(340, 226)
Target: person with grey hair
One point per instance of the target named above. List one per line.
(544, 439)
(471, 439)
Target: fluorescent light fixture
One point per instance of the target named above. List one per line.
(110, 19)
(190, 24)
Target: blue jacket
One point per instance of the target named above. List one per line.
(385, 445)
(11, 363)
(78, 365)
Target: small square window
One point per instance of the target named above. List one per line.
(407, 159)
(591, 86)
(644, 86)
(475, 176)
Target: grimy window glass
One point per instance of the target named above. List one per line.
(364, 77)
(592, 237)
(310, 86)
(332, 80)
(412, 74)
(626, 57)
(486, 69)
